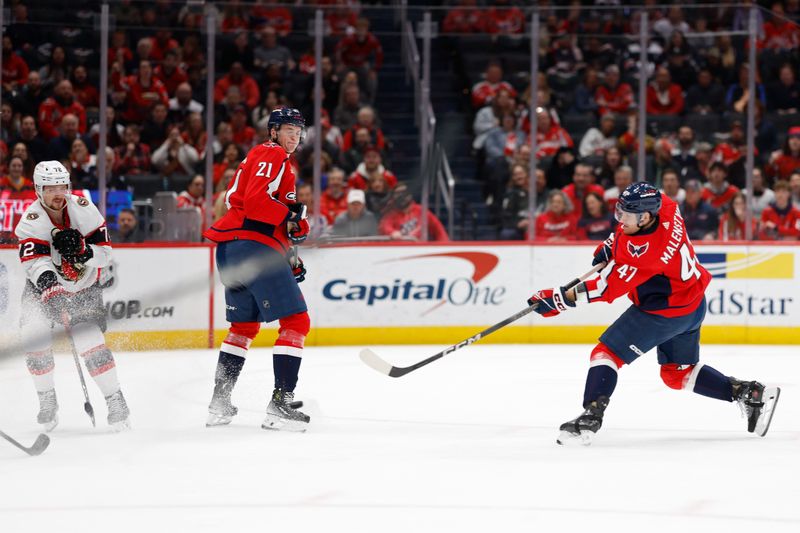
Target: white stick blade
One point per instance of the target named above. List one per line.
(372, 360)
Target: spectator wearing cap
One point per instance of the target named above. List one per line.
(127, 228)
(333, 199)
(270, 52)
(784, 162)
(243, 135)
(701, 220)
(671, 186)
(356, 220)
(372, 165)
(718, 192)
(762, 195)
(485, 91)
(465, 18)
(613, 96)
(596, 141)
(781, 219)
(581, 186)
(237, 77)
(403, 219)
(706, 96)
(663, 96)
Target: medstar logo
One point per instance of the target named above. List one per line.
(454, 291)
(638, 250)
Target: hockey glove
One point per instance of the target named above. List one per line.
(297, 212)
(602, 253)
(551, 302)
(297, 224)
(299, 271)
(55, 298)
(69, 242)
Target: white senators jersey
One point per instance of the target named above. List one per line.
(35, 233)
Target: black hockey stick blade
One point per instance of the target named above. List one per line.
(374, 361)
(90, 411)
(41, 444)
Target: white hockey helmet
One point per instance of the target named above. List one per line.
(50, 173)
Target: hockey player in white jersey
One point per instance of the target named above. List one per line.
(63, 245)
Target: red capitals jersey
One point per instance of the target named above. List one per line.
(257, 199)
(658, 270)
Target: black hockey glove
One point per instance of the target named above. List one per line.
(55, 298)
(297, 212)
(602, 254)
(299, 271)
(69, 242)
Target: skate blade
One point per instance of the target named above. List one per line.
(567, 438)
(50, 426)
(122, 425)
(771, 396)
(217, 420)
(282, 424)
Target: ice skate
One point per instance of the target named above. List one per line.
(582, 429)
(48, 410)
(281, 414)
(118, 412)
(221, 411)
(757, 403)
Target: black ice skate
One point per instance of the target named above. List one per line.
(757, 403)
(221, 411)
(582, 429)
(282, 415)
(48, 410)
(118, 412)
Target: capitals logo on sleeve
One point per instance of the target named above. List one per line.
(637, 250)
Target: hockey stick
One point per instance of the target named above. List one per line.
(374, 361)
(41, 444)
(87, 405)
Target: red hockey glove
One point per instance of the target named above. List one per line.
(298, 231)
(551, 302)
(299, 271)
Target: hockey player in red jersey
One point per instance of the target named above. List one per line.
(261, 273)
(650, 259)
(63, 245)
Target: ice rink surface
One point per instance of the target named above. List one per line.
(466, 444)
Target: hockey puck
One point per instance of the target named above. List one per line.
(296, 404)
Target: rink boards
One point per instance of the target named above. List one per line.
(170, 297)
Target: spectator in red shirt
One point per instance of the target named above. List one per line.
(504, 20)
(194, 196)
(195, 133)
(53, 110)
(85, 92)
(132, 157)
(15, 180)
(718, 192)
(232, 155)
(734, 148)
(170, 72)
(780, 220)
(371, 166)
(365, 119)
(549, 135)
(333, 199)
(15, 69)
(266, 13)
(663, 96)
(161, 43)
(239, 78)
(780, 33)
(484, 91)
(142, 92)
(613, 96)
(784, 162)
(403, 219)
(581, 186)
(340, 20)
(466, 18)
(363, 53)
(557, 223)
